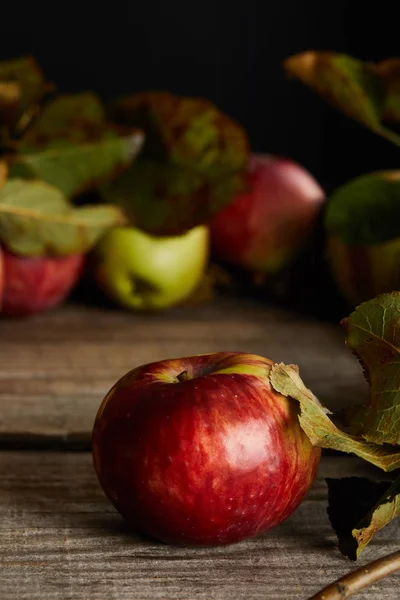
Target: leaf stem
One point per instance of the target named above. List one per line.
(389, 135)
(356, 580)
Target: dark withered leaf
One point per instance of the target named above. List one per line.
(359, 508)
(22, 86)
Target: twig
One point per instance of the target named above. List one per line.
(357, 580)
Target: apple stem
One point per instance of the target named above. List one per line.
(356, 580)
(184, 376)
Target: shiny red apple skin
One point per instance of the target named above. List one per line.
(35, 284)
(264, 227)
(212, 460)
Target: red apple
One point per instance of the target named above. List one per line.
(201, 450)
(264, 227)
(33, 284)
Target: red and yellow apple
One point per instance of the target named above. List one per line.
(36, 283)
(263, 228)
(140, 271)
(202, 450)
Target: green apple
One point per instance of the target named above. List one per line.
(143, 272)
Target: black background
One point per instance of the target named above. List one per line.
(228, 51)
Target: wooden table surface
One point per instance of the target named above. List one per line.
(59, 536)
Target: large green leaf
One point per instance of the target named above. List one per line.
(190, 132)
(168, 199)
(389, 73)
(356, 88)
(373, 334)
(366, 211)
(37, 219)
(320, 428)
(76, 168)
(73, 118)
(359, 508)
(192, 163)
(71, 146)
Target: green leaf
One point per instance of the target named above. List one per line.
(37, 219)
(73, 118)
(388, 72)
(320, 429)
(168, 199)
(366, 211)
(192, 163)
(373, 335)
(70, 146)
(190, 132)
(354, 87)
(76, 168)
(22, 86)
(359, 508)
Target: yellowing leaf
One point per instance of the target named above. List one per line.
(320, 428)
(358, 89)
(389, 73)
(343, 81)
(37, 219)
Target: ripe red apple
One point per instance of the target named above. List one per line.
(201, 450)
(263, 228)
(33, 284)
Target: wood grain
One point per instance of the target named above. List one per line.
(56, 368)
(60, 539)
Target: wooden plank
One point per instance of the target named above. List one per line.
(56, 368)
(60, 538)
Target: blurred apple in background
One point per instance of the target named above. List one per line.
(362, 231)
(263, 228)
(144, 272)
(34, 284)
